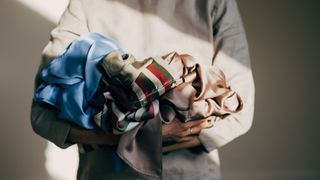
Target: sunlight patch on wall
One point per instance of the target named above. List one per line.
(61, 164)
(49, 9)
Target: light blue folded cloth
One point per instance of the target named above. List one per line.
(70, 81)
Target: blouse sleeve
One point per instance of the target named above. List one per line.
(44, 120)
(232, 56)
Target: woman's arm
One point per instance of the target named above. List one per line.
(44, 120)
(231, 55)
(83, 136)
(193, 141)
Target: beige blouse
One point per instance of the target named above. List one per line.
(211, 31)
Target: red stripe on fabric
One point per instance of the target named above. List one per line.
(151, 110)
(119, 125)
(159, 75)
(149, 113)
(144, 88)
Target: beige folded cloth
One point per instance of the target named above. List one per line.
(203, 93)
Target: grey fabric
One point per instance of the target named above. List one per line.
(98, 165)
(178, 165)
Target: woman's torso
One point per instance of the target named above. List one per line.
(151, 28)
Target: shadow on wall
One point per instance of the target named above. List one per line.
(23, 36)
(284, 140)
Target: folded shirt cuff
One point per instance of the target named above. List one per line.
(61, 132)
(206, 139)
(45, 123)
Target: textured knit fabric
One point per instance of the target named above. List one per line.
(70, 81)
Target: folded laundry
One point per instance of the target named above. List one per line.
(94, 84)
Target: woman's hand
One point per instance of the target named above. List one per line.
(181, 135)
(175, 132)
(178, 132)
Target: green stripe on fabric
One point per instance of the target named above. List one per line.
(103, 123)
(163, 70)
(147, 86)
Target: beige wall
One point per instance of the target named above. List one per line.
(23, 34)
(284, 140)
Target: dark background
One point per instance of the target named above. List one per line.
(284, 45)
(285, 49)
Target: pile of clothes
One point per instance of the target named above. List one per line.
(96, 85)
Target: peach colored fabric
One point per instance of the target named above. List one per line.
(203, 93)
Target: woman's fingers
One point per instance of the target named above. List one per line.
(193, 123)
(193, 130)
(182, 131)
(191, 142)
(185, 138)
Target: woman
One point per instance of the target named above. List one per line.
(211, 31)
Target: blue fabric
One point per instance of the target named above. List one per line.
(70, 81)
